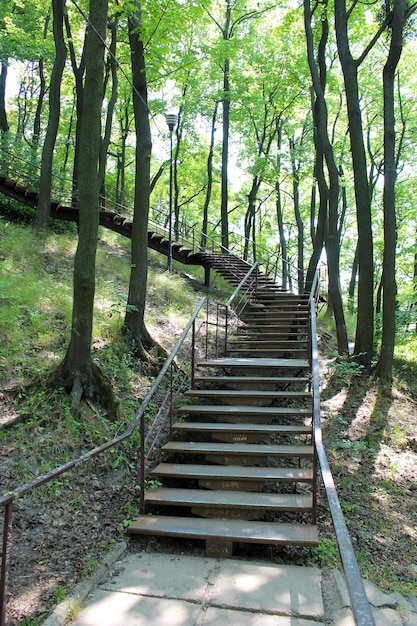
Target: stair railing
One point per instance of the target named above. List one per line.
(359, 601)
(187, 235)
(171, 380)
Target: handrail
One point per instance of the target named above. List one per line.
(63, 189)
(7, 500)
(359, 601)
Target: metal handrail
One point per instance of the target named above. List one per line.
(359, 601)
(63, 190)
(7, 500)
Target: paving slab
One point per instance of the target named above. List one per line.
(286, 590)
(127, 609)
(216, 617)
(182, 590)
(163, 575)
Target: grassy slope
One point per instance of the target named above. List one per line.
(371, 436)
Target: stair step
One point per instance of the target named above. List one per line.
(231, 529)
(264, 352)
(240, 411)
(263, 380)
(265, 429)
(265, 343)
(255, 363)
(247, 393)
(234, 472)
(230, 499)
(277, 314)
(238, 449)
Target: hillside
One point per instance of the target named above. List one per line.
(61, 532)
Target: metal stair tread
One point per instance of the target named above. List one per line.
(226, 498)
(254, 362)
(270, 411)
(241, 393)
(231, 529)
(267, 380)
(213, 427)
(202, 447)
(234, 472)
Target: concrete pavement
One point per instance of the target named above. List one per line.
(158, 589)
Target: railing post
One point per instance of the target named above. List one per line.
(226, 325)
(8, 513)
(142, 463)
(193, 355)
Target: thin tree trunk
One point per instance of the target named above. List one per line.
(278, 204)
(365, 313)
(389, 285)
(332, 240)
(209, 179)
(78, 370)
(45, 182)
(4, 126)
(138, 336)
(112, 64)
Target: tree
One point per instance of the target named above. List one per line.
(365, 311)
(138, 336)
(45, 183)
(389, 284)
(4, 126)
(331, 193)
(78, 373)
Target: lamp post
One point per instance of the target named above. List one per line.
(171, 120)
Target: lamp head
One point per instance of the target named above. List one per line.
(171, 120)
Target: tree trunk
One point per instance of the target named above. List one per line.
(250, 220)
(209, 179)
(41, 97)
(321, 119)
(79, 71)
(4, 126)
(45, 182)
(112, 64)
(226, 128)
(298, 218)
(365, 313)
(280, 218)
(389, 285)
(78, 370)
(138, 336)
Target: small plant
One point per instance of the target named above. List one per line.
(345, 369)
(131, 513)
(326, 554)
(91, 565)
(29, 621)
(59, 594)
(152, 484)
(73, 607)
(120, 306)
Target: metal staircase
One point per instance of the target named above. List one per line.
(240, 466)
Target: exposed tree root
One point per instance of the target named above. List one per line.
(90, 384)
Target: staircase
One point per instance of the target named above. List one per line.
(240, 466)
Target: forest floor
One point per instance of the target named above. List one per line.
(62, 532)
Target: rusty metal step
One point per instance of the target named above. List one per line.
(244, 393)
(236, 413)
(230, 499)
(238, 449)
(227, 531)
(252, 380)
(257, 429)
(269, 364)
(265, 343)
(234, 472)
(265, 352)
